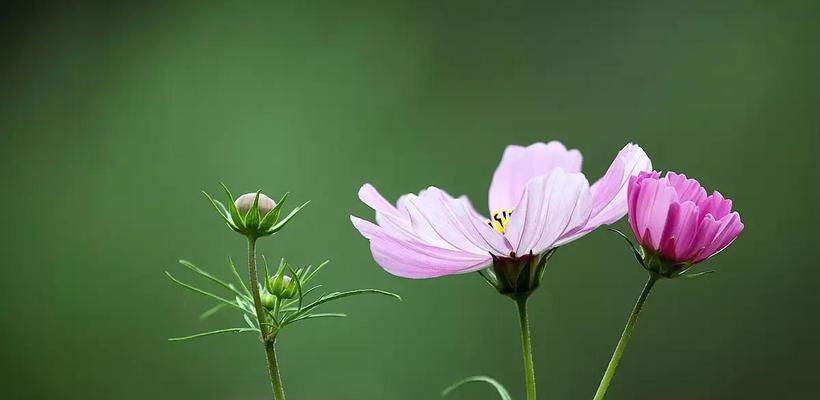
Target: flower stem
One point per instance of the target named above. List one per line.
(268, 333)
(619, 349)
(526, 347)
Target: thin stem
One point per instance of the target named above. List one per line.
(526, 347)
(619, 349)
(268, 332)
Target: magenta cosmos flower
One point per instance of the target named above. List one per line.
(538, 200)
(676, 223)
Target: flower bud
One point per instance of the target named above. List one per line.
(268, 300)
(282, 285)
(245, 202)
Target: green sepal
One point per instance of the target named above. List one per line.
(281, 224)
(236, 218)
(505, 395)
(635, 250)
(698, 274)
(252, 217)
(273, 215)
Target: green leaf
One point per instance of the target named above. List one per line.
(304, 294)
(237, 219)
(218, 281)
(498, 387)
(315, 271)
(267, 271)
(239, 278)
(319, 315)
(211, 311)
(203, 292)
(216, 332)
(281, 224)
(336, 296)
(249, 321)
(638, 253)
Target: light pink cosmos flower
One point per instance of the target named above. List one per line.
(677, 223)
(538, 199)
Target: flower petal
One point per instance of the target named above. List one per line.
(687, 189)
(652, 207)
(609, 194)
(681, 227)
(521, 164)
(730, 228)
(551, 207)
(415, 260)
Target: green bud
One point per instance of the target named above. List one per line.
(282, 285)
(268, 300)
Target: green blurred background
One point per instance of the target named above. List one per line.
(114, 117)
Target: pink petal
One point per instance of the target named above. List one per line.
(415, 260)
(370, 196)
(652, 206)
(681, 226)
(609, 194)
(715, 205)
(551, 207)
(521, 164)
(633, 193)
(730, 228)
(687, 189)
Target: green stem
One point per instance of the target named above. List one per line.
(268, 333)
(526, 347)
(619, 349)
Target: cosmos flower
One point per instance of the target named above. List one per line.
(676, 223)
(538, 199)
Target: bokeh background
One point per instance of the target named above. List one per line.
(114, 116)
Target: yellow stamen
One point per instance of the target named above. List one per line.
(500, 220)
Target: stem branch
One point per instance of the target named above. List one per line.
(268, 333)
(619, 349)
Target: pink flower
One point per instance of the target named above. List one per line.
(538, 199)
(676, 223)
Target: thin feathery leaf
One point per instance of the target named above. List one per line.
(239, 278)
(319, 315)
(203, 292)
(505, 395)
(315, 271)
(335, 296)
(216, 332)
(211, 311)
(214, 279)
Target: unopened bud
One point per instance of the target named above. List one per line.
(245, 202)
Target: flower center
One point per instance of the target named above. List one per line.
(499, 220)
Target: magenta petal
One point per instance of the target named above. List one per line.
(681, 226)
(730, 228)
(715, 205)
(521, 164)
(415, 260)
(551, 208)
(652, 207)
(687, 189)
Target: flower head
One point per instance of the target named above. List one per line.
(538, 200)
(676, 223)
(253, 214)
